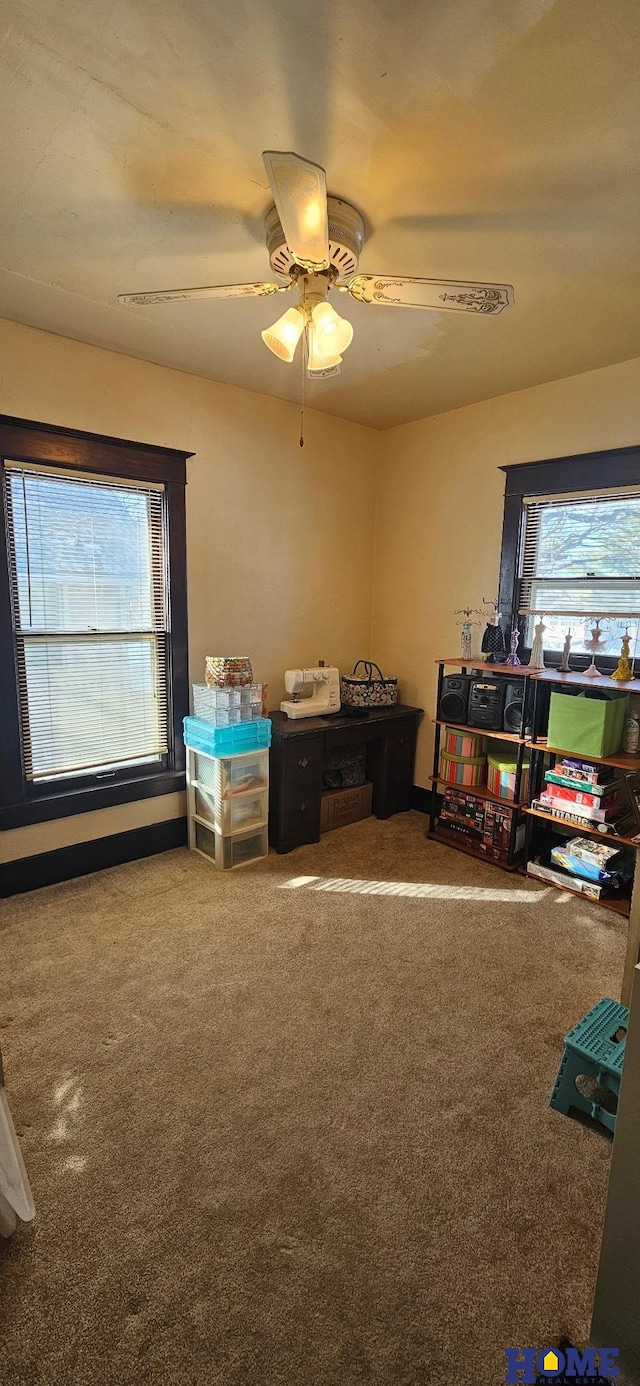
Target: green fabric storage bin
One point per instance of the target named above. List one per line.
(587, 726)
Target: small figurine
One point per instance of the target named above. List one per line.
(597, 644)
(493, 646)
(512, 657)
(622, 670)
(564, 662)
(537, 649)
(465, 634)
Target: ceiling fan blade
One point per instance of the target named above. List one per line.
(458, 295)
(300, 194)
(212, 291)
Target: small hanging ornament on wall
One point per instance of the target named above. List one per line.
(466, 634)
(493, 645)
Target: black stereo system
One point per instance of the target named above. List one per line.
(515, 695)
(486, 703)
(492, 704)
(454, 698)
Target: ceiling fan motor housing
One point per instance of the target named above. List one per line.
(346, 239)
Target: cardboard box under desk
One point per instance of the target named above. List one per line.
(342, 806)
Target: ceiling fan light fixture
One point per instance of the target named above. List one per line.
(283, 336)
(320, 360)
(332, 333)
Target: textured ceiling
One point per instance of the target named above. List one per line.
(481, 139)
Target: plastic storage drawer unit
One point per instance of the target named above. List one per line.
(226, 706)
(229, 775)
(239, 812)
(236, 850)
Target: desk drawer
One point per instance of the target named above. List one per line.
(303, 761)
(402, 746)
(301, 818)
(357, 735)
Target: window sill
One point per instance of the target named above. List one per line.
(88, 800)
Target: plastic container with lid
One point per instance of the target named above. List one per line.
(230, 740)
(501, 776)
(471, 770)
(463, 743)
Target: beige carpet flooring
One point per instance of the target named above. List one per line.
(285, 1128)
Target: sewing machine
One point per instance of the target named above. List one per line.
(322, 697)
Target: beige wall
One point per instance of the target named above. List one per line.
(280, 538)
(439, 512)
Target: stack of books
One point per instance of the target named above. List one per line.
(577, 791)
(585, 866)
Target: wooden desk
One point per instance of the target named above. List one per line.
(297, 753)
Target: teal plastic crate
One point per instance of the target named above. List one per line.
(592, 1051)
(227, 741)
(592, 1037)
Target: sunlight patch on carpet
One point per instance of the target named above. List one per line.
(419, 890)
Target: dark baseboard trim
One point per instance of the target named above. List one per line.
(48, 868)
(421, 799)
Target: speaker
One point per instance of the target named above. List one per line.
(486, 703)
(515, 695)
(454, 698)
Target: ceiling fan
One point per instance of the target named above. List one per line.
(314, 241)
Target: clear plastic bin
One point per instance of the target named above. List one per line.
(229, 775)
(236, 814)
(222, 707)
(227, 852)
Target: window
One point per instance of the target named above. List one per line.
(571, 550)
(93, 622)
(89, 597)
(580, 558)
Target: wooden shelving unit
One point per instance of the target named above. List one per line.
(619, 905)
(479, 790)
(620, 761)
(437, 831)
(451, 839)
(579, 829)
(575, 679)
(535, 747)
(490, 735)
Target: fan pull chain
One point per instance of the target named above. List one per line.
(304, 372)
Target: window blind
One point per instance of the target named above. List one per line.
(580, 557)
(90, 613)
(582, 553)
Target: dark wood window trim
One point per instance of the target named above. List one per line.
(587, 471)
(26, 441)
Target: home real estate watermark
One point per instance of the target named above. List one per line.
(527, 1366)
